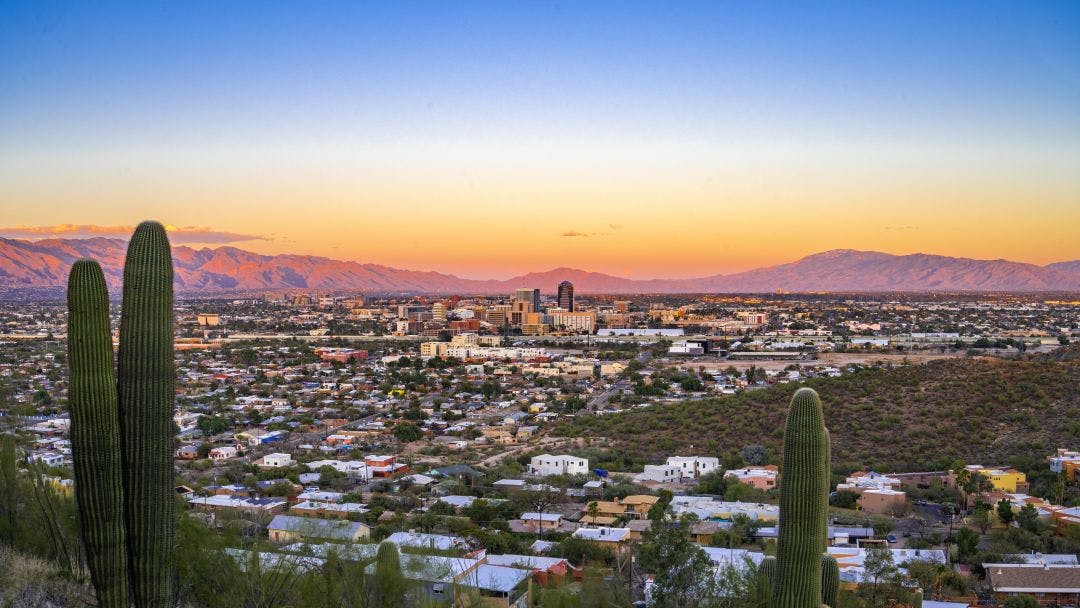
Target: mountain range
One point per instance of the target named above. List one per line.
(45, 264)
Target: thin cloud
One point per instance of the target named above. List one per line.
(583, 235)
(903, 227)
(177, 234)
(615, 226)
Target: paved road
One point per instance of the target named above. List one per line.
(497, 458)
(599, 401)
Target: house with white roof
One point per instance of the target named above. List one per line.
(289, 528)
(616, 539)
(659, 473)
(421, 540)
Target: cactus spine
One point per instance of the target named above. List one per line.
(803, 505)
(95, 433)
(146, 392)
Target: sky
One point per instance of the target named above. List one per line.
(489, 139)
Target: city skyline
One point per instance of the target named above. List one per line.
(488, 141)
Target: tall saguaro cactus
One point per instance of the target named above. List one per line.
(146, 394)
(95, 433)
(804, 500)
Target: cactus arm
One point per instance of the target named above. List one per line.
(95, 433)
(830, 580)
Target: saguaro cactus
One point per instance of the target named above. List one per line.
(766, 578)
(803, 505)
(95, 433)
(830, 579)
(916, 601)
(146, 394)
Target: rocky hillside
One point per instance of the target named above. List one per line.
(906, 418)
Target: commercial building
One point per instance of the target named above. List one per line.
(566, 296)
(528, 296)
(438, 312)
(578, 322)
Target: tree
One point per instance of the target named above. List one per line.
(844, 499)
(1029, 519)
(407, 431)
(881, 572)
(753, 454)
(593, 511)
(1057, 490)
(967, 542)
(684, 572)
(981, 517)
(712, 483)
(212, 425)
(1021, 601)
(1005, 511)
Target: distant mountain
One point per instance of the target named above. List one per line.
(45, 264)
(1073, 266)
(849, 270)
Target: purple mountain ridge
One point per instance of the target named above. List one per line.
(45, 263)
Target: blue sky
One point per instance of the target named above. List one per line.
(617, 70)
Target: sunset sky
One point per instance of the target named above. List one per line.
(490, 139)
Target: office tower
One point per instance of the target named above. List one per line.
(566, 296)
(622, 306)
(531, 296)
(438, 312)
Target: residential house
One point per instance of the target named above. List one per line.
(225, 452)
(385, 466)
(275, 460)
(1049, 584)
(546, 464)
(1066, 462)
(707, 507)
(187, 452)
(762, 478)
(693, 467)
(878, 494)
(659, 473)
(615, 539)
(289, 528)
(545, 570)
(257, 507)
(1002, 478)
